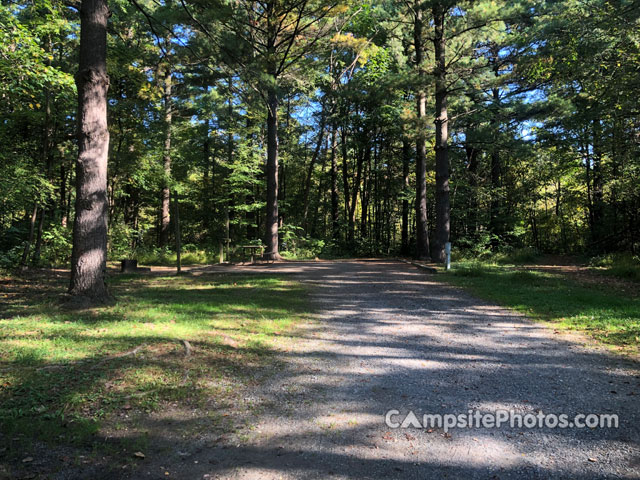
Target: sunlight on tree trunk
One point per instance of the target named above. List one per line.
(88, 261)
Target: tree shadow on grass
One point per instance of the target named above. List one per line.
(64, 375)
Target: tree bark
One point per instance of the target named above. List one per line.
(63, 196)
(345, 171)
(335, 228)
(496, 223)
(597, 189)
(355, 188)
(38, 246)
(89, 255)
(272, 175)
(406, 158)
(422, 229)
(312, 163)
(27, 245)
(472, 166)
(443, 203)
(166, 160)
(178, 234)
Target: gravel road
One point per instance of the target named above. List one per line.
(390, 336)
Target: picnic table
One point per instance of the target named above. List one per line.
(253, 249)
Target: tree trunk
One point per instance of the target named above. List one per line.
(38, 247)
(472, 166)
(599, 233)
(334, 183)
(271, 236)
(495, 214)
(89, 256)
(422, 229)
(345, 172)
(312, 163)
(63, 196)
(443, 203)
(176, 221)
(355, 188)
(166, 160)
(406, 158)
(32, 228)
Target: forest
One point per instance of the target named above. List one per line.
(319, 128)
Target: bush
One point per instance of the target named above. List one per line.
(11, 258)
(294, 245)
(56, 246)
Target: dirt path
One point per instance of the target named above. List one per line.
(391, 337)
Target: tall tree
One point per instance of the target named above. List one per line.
(89, 256)
(443, 203)
(277, 35)
(166, 78)
(422, 228)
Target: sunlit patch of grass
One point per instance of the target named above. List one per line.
(63, 374)
(599, 310)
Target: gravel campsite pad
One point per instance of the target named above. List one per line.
(389, 336)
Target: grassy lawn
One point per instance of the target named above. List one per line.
(67, 376)
(602, 311)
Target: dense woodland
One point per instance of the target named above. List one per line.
(319, 127)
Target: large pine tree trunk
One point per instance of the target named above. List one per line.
(422, 229)
(496, 222)
(472, 166)
(406, 157)
(443, 204)
(88, 259)
(271, 236)
(176, 222)
(166, 161)
(345, 173)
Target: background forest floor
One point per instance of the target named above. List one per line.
(80, 389)
(568, 293)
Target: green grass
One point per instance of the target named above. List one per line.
(624, 266)
(62, 376)
(599, 310)
(168, 258)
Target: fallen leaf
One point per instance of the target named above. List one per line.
(27, 460)
(138, 455)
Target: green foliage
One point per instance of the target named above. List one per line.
(56, 246)
(543, 127)
(297, 246)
